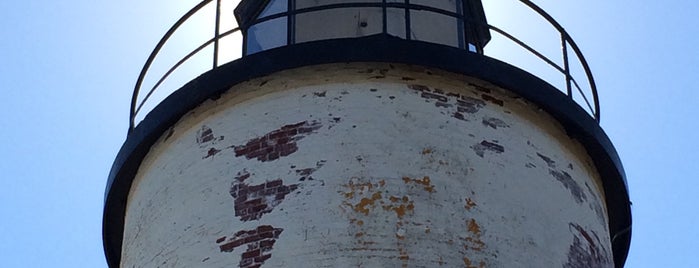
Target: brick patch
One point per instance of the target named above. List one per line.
(205, 136)
(259, 243)
(446, 100)
(252, 201)
(484, 146)
(278, 143)
(586, 250)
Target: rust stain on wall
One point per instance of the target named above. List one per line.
(365, 197)
(473, 241)
(425, 182)
(469, 204)
(586, 250)
(259, 242)
(469, 264)
(400, 205)
(277, 143)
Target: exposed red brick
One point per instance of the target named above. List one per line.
(278, 143)
(204, 135)
(492, 99)
(494, 123)
(442, 104)
(469, 105)
(212, 151)
(419, 88)
(271, 184)
(487, 146)
(451, 94)
(259, 242)
(459, 116)
(263, 258)
(428, 95)
(586, 252)
(569, 183)
(266, 245)
(252, 201)
(251, 254)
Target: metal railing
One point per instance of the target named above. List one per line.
(566, 42)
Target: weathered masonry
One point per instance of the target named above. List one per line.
(381, 137)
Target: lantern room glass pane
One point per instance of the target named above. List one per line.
(395, 22)
(274, 7)
(314, 3)
(266, 35)
(338, 23)
(448, 5)
(436, 28)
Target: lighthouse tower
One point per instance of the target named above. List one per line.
(369, 133)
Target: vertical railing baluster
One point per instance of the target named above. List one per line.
(566, 65)
(217, 32)
(384, 16)
(407, 20)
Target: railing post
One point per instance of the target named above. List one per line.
(566, 65)
(384, 17)
(217, 32)
(407, 20)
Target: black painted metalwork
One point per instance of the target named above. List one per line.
(250, 9)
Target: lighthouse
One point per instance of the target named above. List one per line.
(368, 133)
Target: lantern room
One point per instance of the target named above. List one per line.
(275, 23)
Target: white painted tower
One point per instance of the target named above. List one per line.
(368, 134)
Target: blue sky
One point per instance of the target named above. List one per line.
(67, 70)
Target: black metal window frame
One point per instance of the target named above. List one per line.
(462, 21)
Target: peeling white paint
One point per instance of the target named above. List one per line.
(405, 181)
